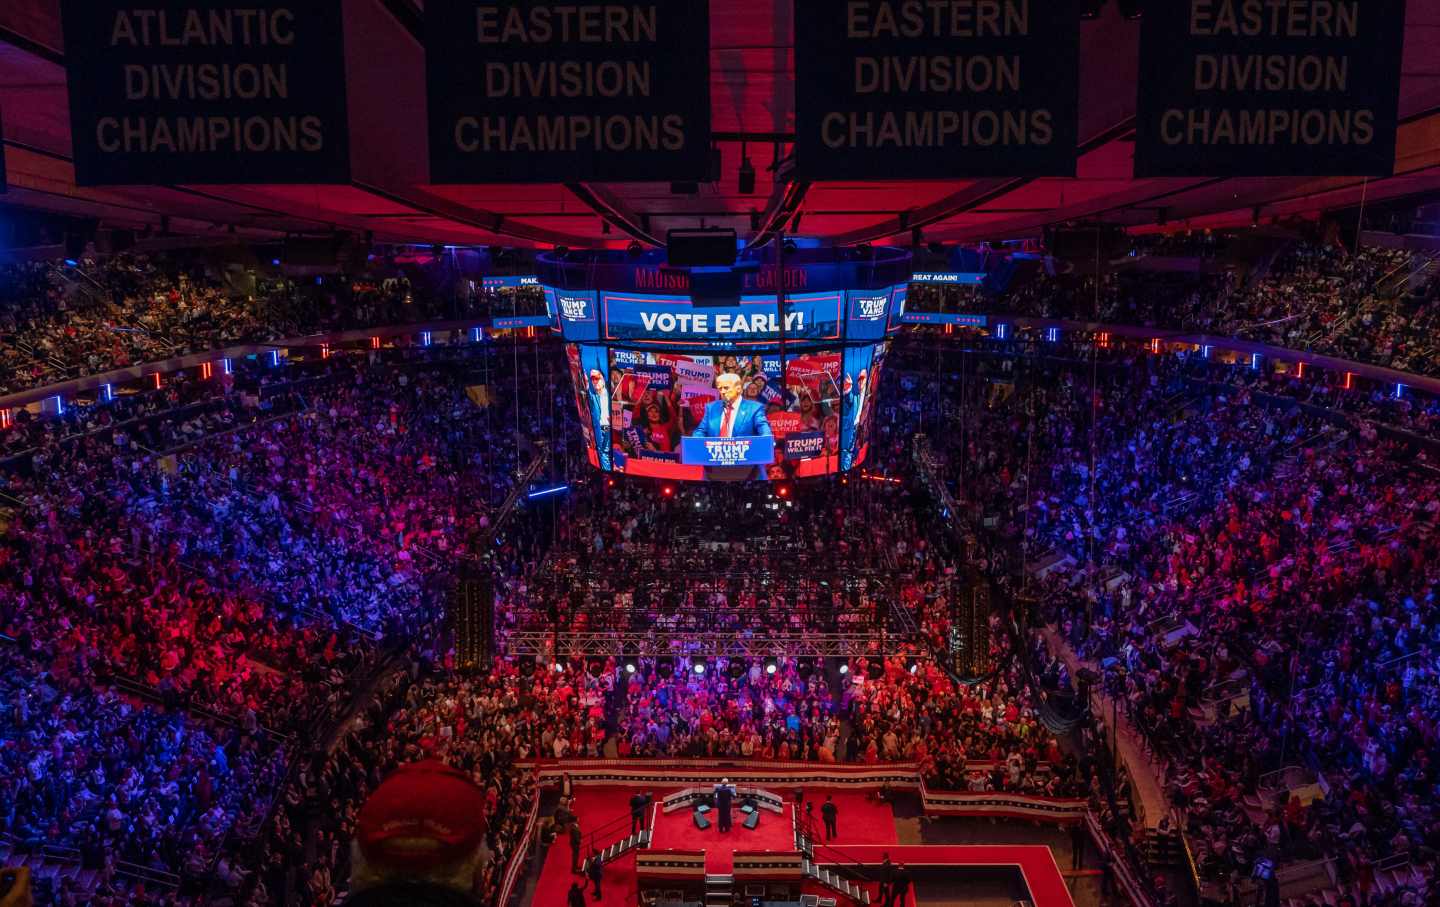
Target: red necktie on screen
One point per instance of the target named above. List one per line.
(725, 422)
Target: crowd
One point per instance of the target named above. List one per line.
(196, 581)
(1256, 584)
(61, 320)
(182, 623)
(1315, 297)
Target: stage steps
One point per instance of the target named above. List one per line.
(620, 848)
(833, 881)
(719, 890)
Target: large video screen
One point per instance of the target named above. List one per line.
(726, 416)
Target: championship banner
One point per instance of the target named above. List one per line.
(1241, 88)
(912, 89)
(185, 92)
(551, 91)
(3, 183)
(669, 319)
(754, 451)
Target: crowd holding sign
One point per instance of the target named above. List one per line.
(199, 93)
(1254, 88)
(936, 89)
(538, 90)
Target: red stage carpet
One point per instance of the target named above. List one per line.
(677, 831)
(861, 820)
(867, 831)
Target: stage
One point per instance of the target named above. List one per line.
(866, 832)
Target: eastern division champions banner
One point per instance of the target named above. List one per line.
(1269, 88)
(200, 92)
(555, 91)
(931, 89)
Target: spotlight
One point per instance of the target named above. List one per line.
(697, 664)
(737, 668)
(629, 666)
(668, 491)
(665, 667)
(783, 491)
(771, 664)
(912, 665)
(596, 666)
(805, 667)
(559, 666)
(844, 668)
(629, 661)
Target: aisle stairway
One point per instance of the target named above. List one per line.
(719, 890)
(620, 848)
(826, 877)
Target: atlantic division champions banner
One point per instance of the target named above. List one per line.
(1269, 87)
(172, 92)
(936, 89)
(554, 91)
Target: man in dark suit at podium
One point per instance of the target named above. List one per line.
(724, 798)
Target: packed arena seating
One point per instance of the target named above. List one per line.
(69, 319)
(196, 581)
(1315, 297)
(1256, 584)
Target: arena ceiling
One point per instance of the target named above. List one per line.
(752, 94)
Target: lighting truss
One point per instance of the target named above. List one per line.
(685, 644)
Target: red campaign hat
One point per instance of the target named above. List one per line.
(424, 815)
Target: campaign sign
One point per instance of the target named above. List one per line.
(674, 320)
(174, 91)
(656, 376)
(509, 283)
(577, 314)
(1241, 88)
(753, 451)
(974, 321)
(784, 423)
(521, 321)
(804, 445)
(912, 89)
(957, 278)
(553, 91)
(867, 314)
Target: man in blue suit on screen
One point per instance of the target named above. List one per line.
(600, 416)
(732, 416)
